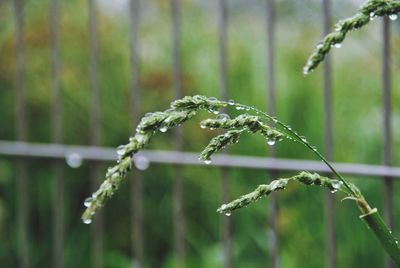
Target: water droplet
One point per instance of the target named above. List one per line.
(87, 221)
(207, 162)
(110, 171)
(271, 142)
(121, 150)
(139, 138)
(88, 202)
(320, 45)
(163, 129)
(338, 45)
(372, 15)
(238, 108)
(223, 117)
(74, 160)
(393, 17)
(228, 214)
(215, 112)
(202, 125)
(141, 162)
(278, 184)
(231, 102)
(336, 186)
(106, 186)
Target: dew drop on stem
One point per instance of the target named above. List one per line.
(87, 221)
(223, 117)
(207, 162)
(88, 202)
(393, 17)
(139, 138)
(163, 129)
(121, 150)
(372, 15)
(338, 45)
(336, 186)
(271, 142)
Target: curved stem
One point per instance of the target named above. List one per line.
(304, 142)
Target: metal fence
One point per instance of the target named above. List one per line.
(24, 151)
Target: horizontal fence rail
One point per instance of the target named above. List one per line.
(24, 149)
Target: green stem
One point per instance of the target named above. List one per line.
(375, 223)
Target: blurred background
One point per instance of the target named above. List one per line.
(83, 72)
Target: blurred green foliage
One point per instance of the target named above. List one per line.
(356, 115)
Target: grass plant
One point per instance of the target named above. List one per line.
(255, 121)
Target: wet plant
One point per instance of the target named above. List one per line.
(251, 121)
(254, 121)
(367, 13)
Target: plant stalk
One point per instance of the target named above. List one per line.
(375, 223)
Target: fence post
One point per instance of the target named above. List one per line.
(95, 129)
(271, 100)
(179, 218)
(223, 91)
(56, 113)
(21, 133)
(328, 140)
(136, 188)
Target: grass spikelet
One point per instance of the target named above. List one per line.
(366, 13)
(263, 190)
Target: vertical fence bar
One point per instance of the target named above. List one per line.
(136, 183)
(22, 133)
(387, 127)
(271, 90)
(223, 61)
(328, 139)
(56, 113)
(95, 129)
(179, 219)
